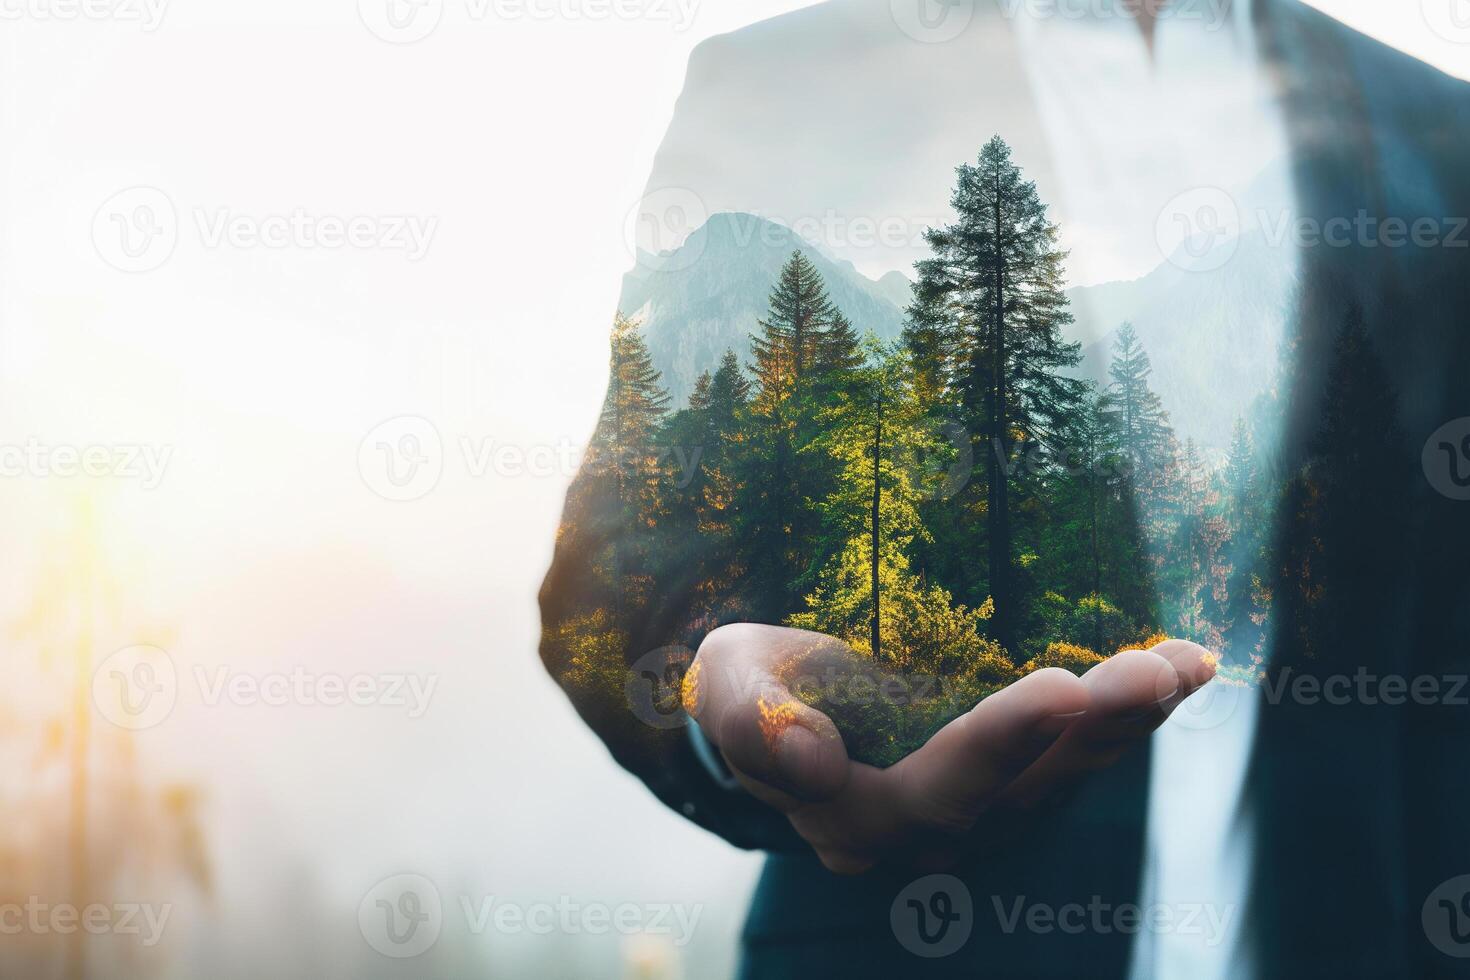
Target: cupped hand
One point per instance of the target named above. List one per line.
(1011, 752)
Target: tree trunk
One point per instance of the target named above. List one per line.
(1000, 523)
(877, 499)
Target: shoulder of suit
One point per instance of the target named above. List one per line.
(1385, 69)
(833, 27)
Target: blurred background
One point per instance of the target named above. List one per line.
(303, 319)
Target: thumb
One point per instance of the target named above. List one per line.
(737, 691)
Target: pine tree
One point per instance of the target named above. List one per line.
(872, 514)
(1195, 553)
(1094, 448)
(995, 285)
(838, 348)
(795, 331)
(803, 352)
(1135, 410)
(729, 388)
(729, 393)
(1244, 496)
(624, 455)
(934, 339)
(701, 443)
(866, 591)
(686, 442)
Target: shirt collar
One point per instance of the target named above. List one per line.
(1229, 21)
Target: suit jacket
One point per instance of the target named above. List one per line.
(1358, 807)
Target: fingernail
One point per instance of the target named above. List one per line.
(1052, 726)
(1152, 710)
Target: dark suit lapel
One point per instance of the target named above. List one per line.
(1345, 844)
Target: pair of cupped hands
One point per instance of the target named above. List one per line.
(984, 770)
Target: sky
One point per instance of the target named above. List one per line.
(248, 253)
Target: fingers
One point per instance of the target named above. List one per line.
(916, 809)
(951, 779)
(1192, 663)
(864, 822)
(1017, 747)
(766, 735)
(1132, 694)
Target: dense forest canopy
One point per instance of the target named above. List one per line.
(959, 503)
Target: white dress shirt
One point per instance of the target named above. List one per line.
(1136, 136)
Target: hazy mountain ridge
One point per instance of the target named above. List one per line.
(705, 297)
(1213, 337)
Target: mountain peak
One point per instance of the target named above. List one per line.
(705, 297)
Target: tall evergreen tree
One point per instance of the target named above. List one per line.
(624, 455)
(1088, 472)
(1245, 498)
(995, 283)
(729, 393)
(705, 460)
(1135, 410)
(866, 591)
(804, 348)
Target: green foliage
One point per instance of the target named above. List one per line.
(959, 507)
(989, 309)
(803, 352)
(1068, 656)
(1134, 412)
